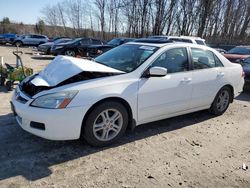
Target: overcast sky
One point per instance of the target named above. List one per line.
(26, 11)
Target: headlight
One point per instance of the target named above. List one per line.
(54, 100)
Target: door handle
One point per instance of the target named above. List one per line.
(186, 80)
(221, 74)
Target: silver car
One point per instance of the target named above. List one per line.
(30, 40)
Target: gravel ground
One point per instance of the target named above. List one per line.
(194, 150)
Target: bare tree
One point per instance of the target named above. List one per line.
(101, 5)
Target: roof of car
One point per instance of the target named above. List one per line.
(153, 40)
(243, 46)
(160, 45)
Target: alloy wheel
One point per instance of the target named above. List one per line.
(107, 125)
(222, 101)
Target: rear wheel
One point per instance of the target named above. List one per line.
(105, 124)
(221, 101)
(18, 43)
(70, 53)
(48, 51)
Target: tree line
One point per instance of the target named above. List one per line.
(224, 21)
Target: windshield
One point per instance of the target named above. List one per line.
(73, 41)
(115, 42)
(63, 40)
(126, 57)
(240, 50)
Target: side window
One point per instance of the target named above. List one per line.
(202, 59)
(218, 62)
(174, 60)
(84, 42)
(200, 42)
(96, 42)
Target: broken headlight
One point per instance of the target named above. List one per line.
(54, 100)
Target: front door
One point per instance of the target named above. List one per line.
(163, 96)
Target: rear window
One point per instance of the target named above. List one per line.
(240, 51)
(201, 42)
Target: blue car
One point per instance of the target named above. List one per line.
(7, 38)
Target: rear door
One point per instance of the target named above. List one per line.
(82, 48)
(162, 96)
(207, 76)
(28, 39)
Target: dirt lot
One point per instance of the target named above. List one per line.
(195, 150)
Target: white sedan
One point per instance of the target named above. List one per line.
(133, 84)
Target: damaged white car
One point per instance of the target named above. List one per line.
(127, 86)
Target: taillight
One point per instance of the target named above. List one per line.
(243, 74)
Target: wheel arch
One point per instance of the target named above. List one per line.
(232, 91)
(131, 120)
(18, 41)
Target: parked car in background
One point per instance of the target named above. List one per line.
(246, 67)
(129, 85)
(238, 53)
(56, 38)
(187, 39)
(75, 47)
(7, 38)
(30, 40)
(46, 47)
(95, 50)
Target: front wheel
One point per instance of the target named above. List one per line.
(105, 124)
(18, 43)
(70, 53)
(221, 101)
(9, 85)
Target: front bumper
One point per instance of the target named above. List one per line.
(247, 84)
(44, 49)
(60, 124)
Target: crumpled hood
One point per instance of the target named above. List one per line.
(63, 68)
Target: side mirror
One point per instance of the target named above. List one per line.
(157, 72)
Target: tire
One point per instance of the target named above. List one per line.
(98, 130)
(221, 101)
(18, 43)
(9, 85)
(48, 51)
(2, 81)
(71, 53)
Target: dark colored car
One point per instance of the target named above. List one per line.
(75, 47)
(7, 38)
(46, 47)
(95, 50)
(222, 51)
(238, 53)
(246, 67)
